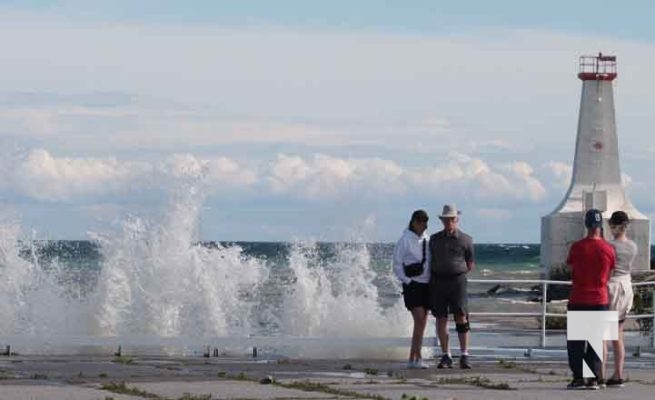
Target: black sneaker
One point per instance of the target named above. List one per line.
(464, 362)
(577, 384)
(615, 383)
(446, 361)
(592, 384)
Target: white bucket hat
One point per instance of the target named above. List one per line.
(449, 211)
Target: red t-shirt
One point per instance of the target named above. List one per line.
(591, 261)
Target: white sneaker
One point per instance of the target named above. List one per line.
(418, 364)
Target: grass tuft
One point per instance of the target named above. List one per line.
(478, 381)
(308, 386)
(122, 388)
(189, 396)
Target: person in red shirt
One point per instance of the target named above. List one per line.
(591, 261)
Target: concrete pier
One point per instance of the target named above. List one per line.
(95, 377)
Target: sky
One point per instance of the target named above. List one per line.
(301, 120)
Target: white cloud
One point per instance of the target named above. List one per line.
(213, 170)
(384, 176)
(531, 186)
(101, 189)
(44, 177)
(287, 171)
(322, 176)
(560, 172)
(470, 176)
(327, 176)
(183, 166)
(227, 171)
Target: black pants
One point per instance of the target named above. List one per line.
(581, 350)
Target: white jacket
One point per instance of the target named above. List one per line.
(409, 250)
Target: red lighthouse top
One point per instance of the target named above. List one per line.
(597, 68)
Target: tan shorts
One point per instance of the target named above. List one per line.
(621, 295)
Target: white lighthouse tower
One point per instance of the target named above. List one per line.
(596, 181)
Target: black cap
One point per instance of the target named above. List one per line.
(593, 218)
(619, 218)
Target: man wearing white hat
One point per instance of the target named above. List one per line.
(451, 258)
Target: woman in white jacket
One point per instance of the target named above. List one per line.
(412, 267)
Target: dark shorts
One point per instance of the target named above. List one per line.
(416, 294)
(449, 295)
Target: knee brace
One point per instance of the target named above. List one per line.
(462, 328)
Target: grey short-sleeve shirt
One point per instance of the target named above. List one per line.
(626, 252)
(449, 254)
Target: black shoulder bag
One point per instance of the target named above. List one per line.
(415, 269)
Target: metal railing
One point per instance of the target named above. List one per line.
(597, 64)
(544, 314)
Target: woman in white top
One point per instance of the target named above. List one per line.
(620, 287)
(411, 266)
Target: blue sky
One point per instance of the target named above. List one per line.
(300, 119)
(630, 19)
